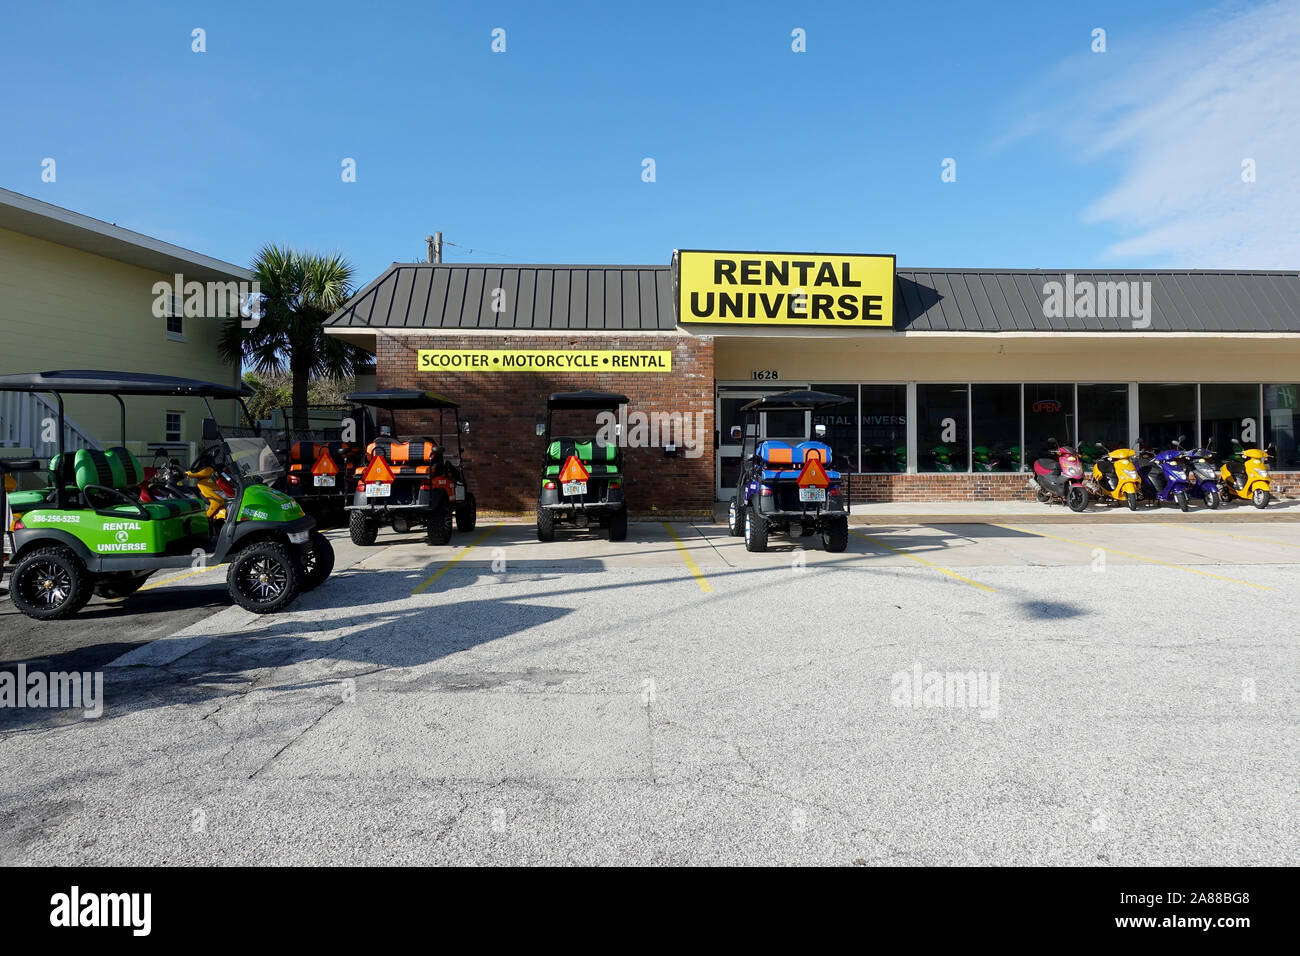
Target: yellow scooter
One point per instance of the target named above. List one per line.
(1114, 476)
(1245, 475)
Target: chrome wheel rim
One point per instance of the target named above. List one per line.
(264, 579)
(46, 583)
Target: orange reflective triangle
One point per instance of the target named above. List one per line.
(813, 474)
(378, 471)
(324, 464)
(573, 470)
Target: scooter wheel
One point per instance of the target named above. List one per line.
(1132, 500)
(1211, 500)
(1043, 497)
(1260, 498)
(1077, 499)
(1181, 498)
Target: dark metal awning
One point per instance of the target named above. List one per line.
(399, 399)
(87, 382)
(800, 400)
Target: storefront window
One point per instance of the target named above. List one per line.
(1164, 413)
(1049, 415)
(942, 428)
(841, 426)
(995, 427)
(1103, 419)
(884, 428)
(1282, 424)
(1231, 413)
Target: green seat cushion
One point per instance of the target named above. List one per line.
(23, 500)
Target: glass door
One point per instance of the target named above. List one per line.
(786, 426)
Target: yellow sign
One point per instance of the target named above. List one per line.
(543, 360)
(785, 288)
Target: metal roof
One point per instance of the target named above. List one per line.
(571, 298)
(95, 382)
(564, 297)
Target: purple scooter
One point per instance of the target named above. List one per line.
(1205, 468)
(1172, 476)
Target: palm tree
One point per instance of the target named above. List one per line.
(299, 291)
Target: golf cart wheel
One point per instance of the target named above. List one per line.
(438, 530)
(1180, 498)
(265, 577)
(836, 537)
(119, 585)
(735, 519)
(363, 530)
(1077, 499)
(755, 530)
(1211, 500)
(618, 525)
(1260, 498)
(49, 584)
(545, 524)
(317, 561)
(1132, 499)
(467, 514)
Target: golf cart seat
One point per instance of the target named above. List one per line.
(118, 469)
(303, 454)
(60, 470)
(598, 459)
(411, 457)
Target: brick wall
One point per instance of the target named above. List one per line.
(503, 452)
(984, 487)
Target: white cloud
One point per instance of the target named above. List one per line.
(1178, 114)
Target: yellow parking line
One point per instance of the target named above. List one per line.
(1137, 557)
(929, 564)
(163, 582)
(690, 562)
(1243, 537)
(428, 582)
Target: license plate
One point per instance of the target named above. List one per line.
(575, 487)
(324, 481)
(812, 494)
(378, 490)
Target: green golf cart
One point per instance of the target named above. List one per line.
(582, 476)
(98, 526)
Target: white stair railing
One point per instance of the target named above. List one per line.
(27, 419)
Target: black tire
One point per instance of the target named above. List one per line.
(545, 524)
(1043, 497)
(1077, 499)
(362, 529)
(618, 525)
(467, 514)
(755, 530)
(1260, 498)
(1180, 499)
(1212, 500)
(735, 518)
(1132, 499)
(836, 536)
(119, 586)
(265, 577)
(438, 529)
(317, 561)
(49, 584)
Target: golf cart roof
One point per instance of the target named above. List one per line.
(397, 399)
(799, 400)
(85, 382)
(586, 399)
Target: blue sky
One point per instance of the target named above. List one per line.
(1064, 157)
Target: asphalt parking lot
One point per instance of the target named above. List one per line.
(997, 693)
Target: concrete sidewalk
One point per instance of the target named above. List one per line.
(1031, 512)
